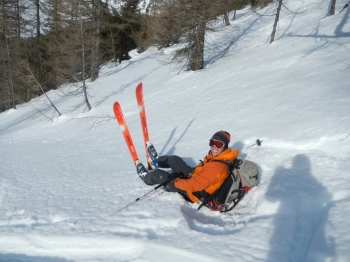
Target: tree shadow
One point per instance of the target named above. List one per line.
(125, 86)
(173, 147)
(338, 31)
(219, 52)
(303, 205)
(24, 258)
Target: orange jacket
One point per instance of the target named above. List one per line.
(208, 175)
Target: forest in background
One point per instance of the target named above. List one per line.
(45, 44)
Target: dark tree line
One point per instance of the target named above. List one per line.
(55, 42)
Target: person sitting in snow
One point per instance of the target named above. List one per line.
(192, 183)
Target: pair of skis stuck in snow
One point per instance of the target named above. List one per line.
(125, 130)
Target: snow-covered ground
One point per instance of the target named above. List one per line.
(61, 183)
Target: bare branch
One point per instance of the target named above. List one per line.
(95, 120)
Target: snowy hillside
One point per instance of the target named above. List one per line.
(61, 183)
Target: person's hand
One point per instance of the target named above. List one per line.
(174, 176)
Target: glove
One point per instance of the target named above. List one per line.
(174, 176)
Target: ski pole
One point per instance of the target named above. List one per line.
(142, 197)
(258, 142)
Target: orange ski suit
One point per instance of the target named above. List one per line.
(208, 175)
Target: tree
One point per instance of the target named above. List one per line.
(226, 6)
(59, 43)
(83, 58)
(276, 21)
(96, 38)
(28, 76)
(66, 42)
(196, 34)
(7, 60)
(185, 21)
(129, 26)
(10, 39)
(264, 3)
(332, 9)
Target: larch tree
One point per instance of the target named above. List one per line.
(10, 41)
(272, 38)
(185, 22)
(332, 8)
(96, 17)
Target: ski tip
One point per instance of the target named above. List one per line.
(139, 86)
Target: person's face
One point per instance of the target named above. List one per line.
(215, 151)
(216, 146)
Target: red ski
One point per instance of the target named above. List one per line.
(125, 131)
(142, 112)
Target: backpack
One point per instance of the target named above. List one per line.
(242, 176)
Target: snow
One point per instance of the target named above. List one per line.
(63, 181)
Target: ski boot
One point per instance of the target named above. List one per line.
(140, 169)
(153, 156)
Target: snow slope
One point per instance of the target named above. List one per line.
(61, 183)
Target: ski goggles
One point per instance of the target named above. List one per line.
(218, 144)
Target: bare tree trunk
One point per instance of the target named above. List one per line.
(113, 47)
(197, 52)
(83, 61)
(262, 4)
(12, 94)
(37, 6)
(18, 19)
(55, 44)
(227, 21)
(96, 38)
(332, 10)
(4, 99)
(276, 21)
(196, 60)
(38, 64)
(223, 7)
(226, 11)
(39, 85)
